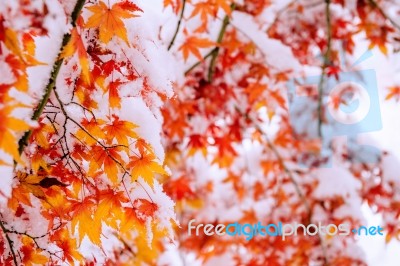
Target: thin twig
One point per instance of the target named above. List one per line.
(10, 242)
(198, 62)
(177, 26)
(106, 148)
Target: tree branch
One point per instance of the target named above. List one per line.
(215, 51)
(53, 77)
(199, 62)
(177, 26)
(326, 63)
(10, 242)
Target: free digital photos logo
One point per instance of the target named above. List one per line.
(329, 106)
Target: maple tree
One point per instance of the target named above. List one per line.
(120, 121)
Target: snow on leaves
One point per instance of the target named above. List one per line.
(84, 171)
(84, 154)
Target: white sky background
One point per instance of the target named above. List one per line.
(388, 74)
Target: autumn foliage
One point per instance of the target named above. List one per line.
(120, 121)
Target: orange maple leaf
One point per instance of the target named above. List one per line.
(68, 246)
(110, 207)
(224, 4)
(120, 130)
(108, 159)
(193, 44)
(144, 209)
(143, 146)
(113, 95)
(8, 127)
(76, 45)
(197, 143)
(42, 133)
(22, 192)
(92, 127)
(204, 9)
(4, 163)
(130, 220)
(11, 42)
(179, 189)
(146, 167)
(31, 255)
(175, 5)
(82, 216)
(394, 91)
(28, 43)
(255, 91)
(109, 20)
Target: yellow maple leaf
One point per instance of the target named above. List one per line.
(120, 130)
(8, 127)
(82, 217)
(109, 20)
(41, 135)
(109, 208)
(12, 42)
(76, 45)
(93, 128)
(146, 167)
(31, 256)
